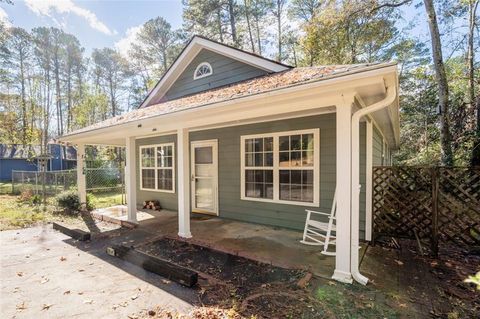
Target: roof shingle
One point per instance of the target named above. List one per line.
(292, 77)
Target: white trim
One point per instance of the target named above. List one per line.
(131, 178)
(195, 77)
(214, 144)
(183, 184)
(156, 167)
(368, 182)
(81, 179)
(191, 51)
(276, 169)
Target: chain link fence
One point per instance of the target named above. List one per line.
(98, 180)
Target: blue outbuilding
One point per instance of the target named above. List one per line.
(20, 157)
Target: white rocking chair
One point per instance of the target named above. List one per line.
(318, 233)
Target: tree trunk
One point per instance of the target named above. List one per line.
(441, 78)
(58, 96)
(259, 40)
(279, 29)
(231, 13)
(219, 23)
(473, 107)
(249, 27)
(24, 102)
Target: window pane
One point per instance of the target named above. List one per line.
(284, 177)
(148, 159)
(203, 155)
(307, 158)
(296, 177)
(148, 178)
(250, 176)
(295, 144)
(258, 159)
(307, 193)
(249, 145)
(295, 159)
(307, 142)
(269, 191)
(164, 181)
(259, 145)
(259, 176)
(307, 177)
(284, 159)
(268, 144)
(284, 191)
(268, 159)
(296, 192)
(268, 176)
(249, 159)
(284, 143)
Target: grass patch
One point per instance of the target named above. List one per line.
(5, 187)
(353, 302)
(102, 200)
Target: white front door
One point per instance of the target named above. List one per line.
(205, 177)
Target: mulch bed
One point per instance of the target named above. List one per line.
(232, 282)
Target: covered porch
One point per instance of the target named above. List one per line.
(338, 101)
(271, 245)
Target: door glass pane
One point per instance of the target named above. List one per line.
(204, 193)
(202, 170)
(203, 155)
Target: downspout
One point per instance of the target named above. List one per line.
(355, 190)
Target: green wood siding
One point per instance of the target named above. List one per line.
(225, 71)
(377, 147)
(167, 200)
(282, 215)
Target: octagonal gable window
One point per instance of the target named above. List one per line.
(204, 69)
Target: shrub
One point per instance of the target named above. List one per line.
(26, 195)
(36, 199)
(69, 201)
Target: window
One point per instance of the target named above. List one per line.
(204, 69)
(157, 168)
(281, 167)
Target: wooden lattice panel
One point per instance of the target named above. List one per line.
(438, 204)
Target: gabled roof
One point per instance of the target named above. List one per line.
(259, 85)
(192, 48)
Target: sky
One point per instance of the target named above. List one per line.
(96, 24)
(113, 23)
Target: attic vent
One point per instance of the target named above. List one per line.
(204, 69)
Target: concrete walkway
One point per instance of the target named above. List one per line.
(45, 274)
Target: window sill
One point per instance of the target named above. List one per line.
(282, 202)
(157, 190)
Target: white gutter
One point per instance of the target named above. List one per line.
(355, 190)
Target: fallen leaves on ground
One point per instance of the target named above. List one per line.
(20, 274)
(63, 258)
(67, 292)
(88, 301)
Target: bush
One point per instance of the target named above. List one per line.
(70, 201)
(26, 195)
(36, 199)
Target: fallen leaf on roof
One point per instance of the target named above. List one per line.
(46, 306)
(21, 306)
(63, 258)
(19, 274)
(67, 292)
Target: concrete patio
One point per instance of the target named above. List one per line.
(276, 246)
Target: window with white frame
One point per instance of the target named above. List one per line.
(157, 171)
(204, 69)
(281, 167)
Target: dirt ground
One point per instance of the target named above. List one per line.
(48, 275)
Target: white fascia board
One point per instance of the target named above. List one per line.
(191, 51)
(325, 93)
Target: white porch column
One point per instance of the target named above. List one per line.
(81, 181)
(183, 155)
(343, 177)
(368, 182)
(131, 178)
